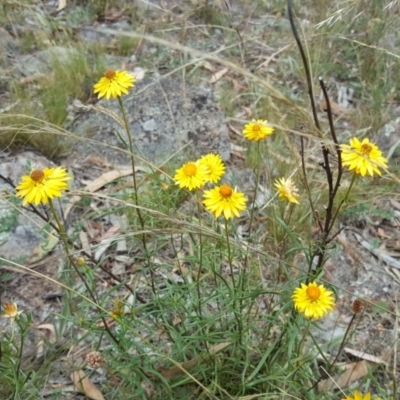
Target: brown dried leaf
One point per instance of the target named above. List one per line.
(107, 177)
(364, 356)
(248, 111)
(207, 65)
(354, 371)
(382, 234)
(50, 332)
(235, 131)
(218, 75)
(97, 184)
(238, 86)
(61, 5)
(84, 385)
(181, 368)
(336, 108)
(110, 232)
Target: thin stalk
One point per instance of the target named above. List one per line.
(64, 238)
(246, 260)
(305, 334)
(136, 197)
(199, 210)
(18, 368)
(229, 252)
(257, 171)
(236, 312)
(344, 200)
(343, 342)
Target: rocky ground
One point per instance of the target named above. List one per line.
(171, 118)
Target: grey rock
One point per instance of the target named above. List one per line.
(95, 35)
(8, 48)
(164, 116)
(42, 61)
(388, 137)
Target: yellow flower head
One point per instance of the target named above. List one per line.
(114, 84)
(224, 199)
(313, 300)
(359, 396)
(214, 165)
(287, 190)
(364, 157)
(42, 185)
(10, 310)
(192, 175)
(257, 130)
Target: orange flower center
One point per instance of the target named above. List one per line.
(109, 74)
(37, 175)
(10, 309)
(313, 293)
(366, 148)
(256, 128)
(190, 169)
(225, 191)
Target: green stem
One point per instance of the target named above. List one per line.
(304, 336)
(130, 143)
(236, 312)
(199, 210)
(246, 265)
(136, 197)
(64, 238)
(353, 179)
(257, 171)
(18, 367)
(229, 252)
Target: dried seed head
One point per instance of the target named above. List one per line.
(358, 306)
(94, 359)
(380, 329)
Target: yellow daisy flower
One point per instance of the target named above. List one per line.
(10, 310)
(114, 84)
(214, 165)
(364, 157)
(359, 396)
(224, 199)
(287, 190)
(192, 175)
(313, 300)
(42, 185)
(257, 130)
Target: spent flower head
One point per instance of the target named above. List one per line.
(42, 185)
(358, 306)
(10, 310)
(94, 359)
(257, 130)
(214, 165)
(312, 300)
(224, 200)
(359, 396)
(192, 175)
(114, 84)
(363, 157)
(287, 190)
